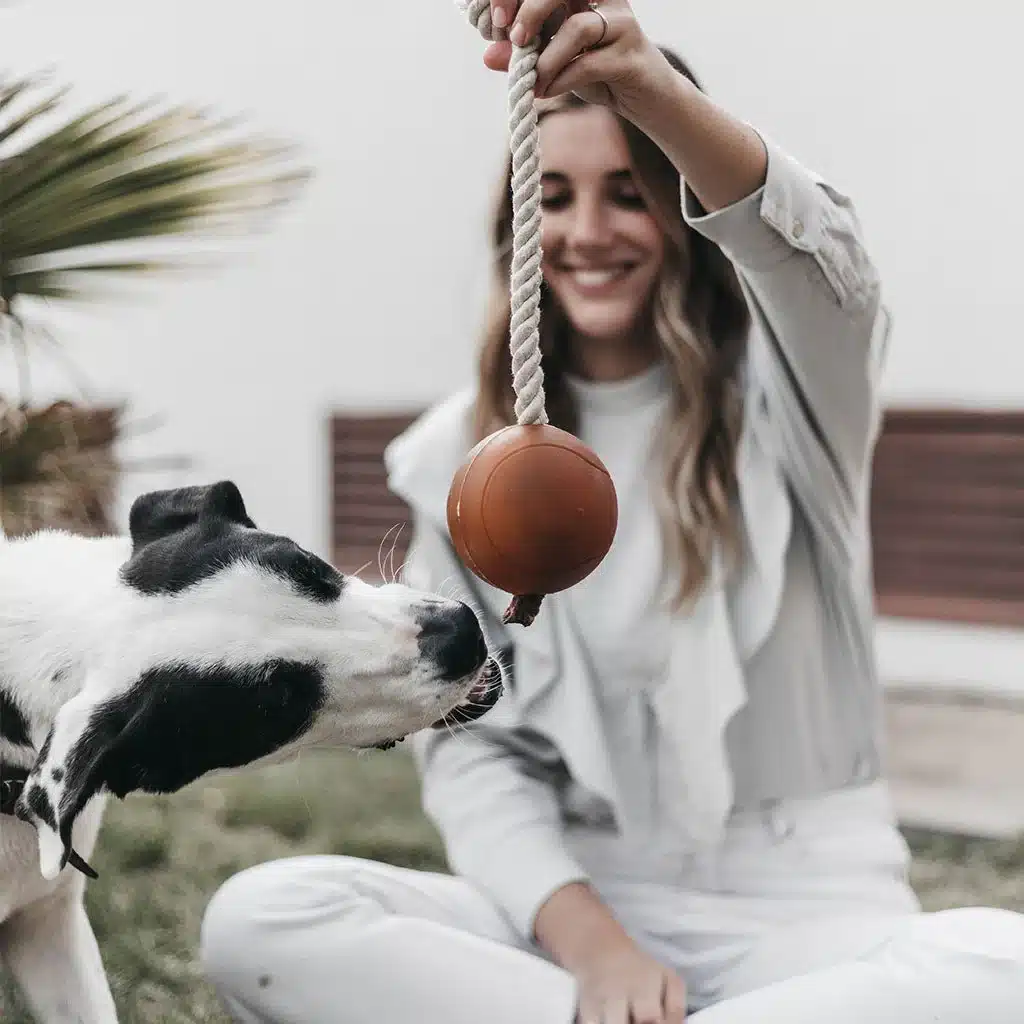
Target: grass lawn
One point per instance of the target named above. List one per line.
(160, 859)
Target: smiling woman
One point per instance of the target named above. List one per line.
(680, 803)
(603, 247)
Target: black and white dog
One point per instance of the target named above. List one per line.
(197, 644)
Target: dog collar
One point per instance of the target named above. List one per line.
(12, 782)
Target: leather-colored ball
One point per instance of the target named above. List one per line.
(532, 510)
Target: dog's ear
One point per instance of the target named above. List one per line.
(168, 729)
(159, 514)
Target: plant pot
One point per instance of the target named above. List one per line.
(58, 468)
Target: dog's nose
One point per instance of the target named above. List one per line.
(451, 637)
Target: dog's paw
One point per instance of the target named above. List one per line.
(35, 807)
(55, 850)
(51, 852)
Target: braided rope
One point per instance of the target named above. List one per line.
(526, 278)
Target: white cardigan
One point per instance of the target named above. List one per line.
(771, 689)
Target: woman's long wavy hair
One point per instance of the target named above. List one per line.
(700, 320)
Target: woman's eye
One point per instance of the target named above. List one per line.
(556, 201)
(630, 199)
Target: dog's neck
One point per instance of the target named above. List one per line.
(57, 591)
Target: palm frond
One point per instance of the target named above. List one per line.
(120, 173)
(85, 281)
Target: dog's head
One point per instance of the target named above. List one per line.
(227, 646)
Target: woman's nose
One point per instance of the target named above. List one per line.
(590, 223)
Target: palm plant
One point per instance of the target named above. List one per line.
(87, 198)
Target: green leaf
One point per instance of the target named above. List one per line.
(120, 173)
(78, 282)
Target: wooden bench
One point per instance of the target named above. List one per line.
(947, 510)
(948, 516)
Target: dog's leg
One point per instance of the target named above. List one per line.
(51, 950)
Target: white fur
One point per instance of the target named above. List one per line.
(72, 634)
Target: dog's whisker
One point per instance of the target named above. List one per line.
(476, 704)
(490, 689)
(391, 553)
(358, 573)
(448, 726)
(380, 554)
(381, 567)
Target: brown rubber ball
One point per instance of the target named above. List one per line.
(532, 510)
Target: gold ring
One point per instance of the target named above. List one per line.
(595, 7)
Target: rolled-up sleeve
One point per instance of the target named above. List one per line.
(501, 827)
(820, 332)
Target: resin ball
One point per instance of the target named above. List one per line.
(532, 510)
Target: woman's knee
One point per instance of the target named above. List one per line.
(986, 933)
(263, 906)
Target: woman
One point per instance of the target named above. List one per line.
(678, 802)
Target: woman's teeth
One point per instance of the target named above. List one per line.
(598, 278)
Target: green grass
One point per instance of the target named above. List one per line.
(160, 860)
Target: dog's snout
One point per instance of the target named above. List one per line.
(451, 637)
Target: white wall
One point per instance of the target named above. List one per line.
(368, 293)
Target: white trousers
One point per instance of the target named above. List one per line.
(808, 923)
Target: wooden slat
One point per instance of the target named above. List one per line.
(979, 611)
(963, 422)
(947, 511)
(368, 522)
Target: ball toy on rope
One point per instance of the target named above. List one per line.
(532, 510)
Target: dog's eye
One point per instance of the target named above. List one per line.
(317, 579)
(310, 576)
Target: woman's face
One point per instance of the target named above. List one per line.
(602, 249)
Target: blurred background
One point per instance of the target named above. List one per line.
(345, 293)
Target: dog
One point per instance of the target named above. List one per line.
(195, 644)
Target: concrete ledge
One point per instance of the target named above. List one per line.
(956, 761)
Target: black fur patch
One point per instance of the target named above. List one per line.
(183, 536)
(178, 723)
(13, 724)
(37, 801)
(453, 640)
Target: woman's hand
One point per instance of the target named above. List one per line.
(614, 65)
(721, 158)
(618, 982)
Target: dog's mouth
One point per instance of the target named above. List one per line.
(481, 698)
(485, 693)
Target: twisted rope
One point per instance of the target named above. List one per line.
(526, 278)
